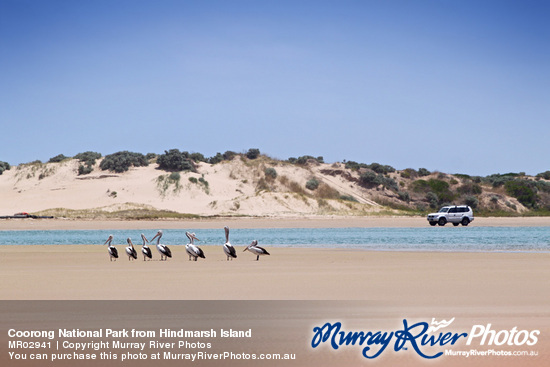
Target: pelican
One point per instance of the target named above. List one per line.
(145, 250)
(112, 249)
(130, 250)
(257, 250)
(163, 249)
(228, 247)
(192, 250)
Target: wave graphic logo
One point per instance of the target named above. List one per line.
(439, 325)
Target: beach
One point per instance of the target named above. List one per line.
(445, 279)
(505, 289)
(260, 222)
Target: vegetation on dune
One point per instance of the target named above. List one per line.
(270, 173)
(312, 184)
(305, 159)
(174, 160)
(58, 158)
(4, 166)
(409, 190)
(121, 161)
(87, 161)
(253, 153)
(135, 212)
(169, 183)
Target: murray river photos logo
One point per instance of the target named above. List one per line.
(425, 339)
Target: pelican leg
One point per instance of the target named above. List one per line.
(258, 258)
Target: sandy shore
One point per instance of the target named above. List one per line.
(481, 280)
(261, 222)
(505, 289)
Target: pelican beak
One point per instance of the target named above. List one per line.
(246, 248)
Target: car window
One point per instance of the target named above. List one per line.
(453, 210)
(443, 210)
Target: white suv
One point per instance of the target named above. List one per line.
(461, 214)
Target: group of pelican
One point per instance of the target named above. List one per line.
(192, 250)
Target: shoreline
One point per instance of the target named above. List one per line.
(72, 272)
(263, 222)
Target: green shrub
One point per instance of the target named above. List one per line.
(253, 153)
(84, 170)
(463, 176)
(312, 184)
(4, 166)
(420, 186)
(471, 201)
(204, 182)
(523, 191)
(497, 180)
(165, 182)
(270, 173)
(388, 182)
(216, 159)
(355, 166)
(545, 175)
(88, 157)
(409, 173)
(383, 169)
(121, 161)
(174, 160)
(438, 187)
(423, 172)
(58, 158)
(305, 158)
(227, 156)
(174, 176)
(432, 199)
(368, 179)
(543, 186)
(88, 160)
(197, 157)
(470, 188)
(404, 196)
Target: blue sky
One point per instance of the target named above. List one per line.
(455, 86)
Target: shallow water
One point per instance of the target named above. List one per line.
(448, 238)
